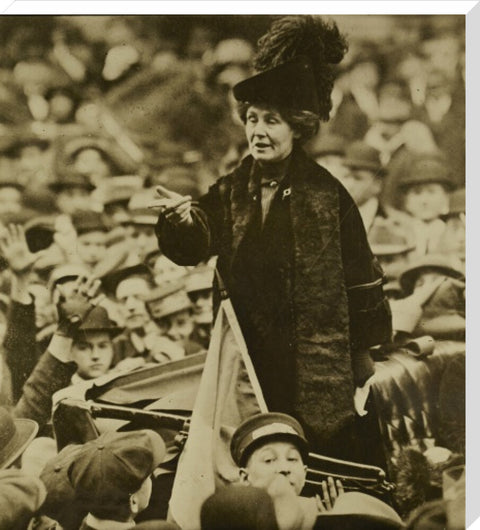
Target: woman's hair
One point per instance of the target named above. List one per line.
(303, 122)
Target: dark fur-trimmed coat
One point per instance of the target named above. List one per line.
(314, 278)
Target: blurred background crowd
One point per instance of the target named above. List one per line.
(97, 111)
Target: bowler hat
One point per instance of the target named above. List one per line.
(428, 170)
(88, 221)
(260, 428)
(97, 320)
(15, 435)
(430, 262)
(238, 508)
(290, 85)
(111, 280)
(360, 155)
(167, 300)
(115, 465)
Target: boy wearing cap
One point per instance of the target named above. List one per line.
(111, 480)
(91, 237)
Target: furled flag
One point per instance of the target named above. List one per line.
(229, 392)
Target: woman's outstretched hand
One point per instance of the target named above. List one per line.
(176, 208)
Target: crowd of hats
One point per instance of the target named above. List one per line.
(94, 113)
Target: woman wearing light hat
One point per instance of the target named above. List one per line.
(291, 246)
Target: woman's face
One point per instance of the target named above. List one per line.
(270, 137)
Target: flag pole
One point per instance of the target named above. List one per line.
(226, 303)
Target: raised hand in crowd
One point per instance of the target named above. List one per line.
(74, 306)
(15, 251)
(176, 208)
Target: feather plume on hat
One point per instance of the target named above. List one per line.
(310, 36)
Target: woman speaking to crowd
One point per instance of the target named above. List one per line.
(292, 249)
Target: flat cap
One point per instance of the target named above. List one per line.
(115, 465)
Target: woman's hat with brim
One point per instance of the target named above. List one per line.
(15, 435)
(429, 170)
(290, 85)
(430, 262)
(262, 428)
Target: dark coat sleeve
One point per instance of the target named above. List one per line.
(189, 245)
(369, 311)
(48, 376)
(20, 345)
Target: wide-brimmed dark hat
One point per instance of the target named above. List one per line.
(260, 428)
(290, 85)
(15, 436)
(360, 155)
(430, 170)
(98, 320)
(430, 262)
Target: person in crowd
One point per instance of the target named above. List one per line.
(72, 193)
(265, 222)
(199, 288)
(91, 238)
(11, 195)
(129, 287)
(452, 241)
(172, 311)
(393, 245)
(110, 477)
(30, 155)
(328, 151)
(55, 368)
(425, 197)
(435, 299)
(164, 270)
(271, 452)
(21, 495)
(141, 222)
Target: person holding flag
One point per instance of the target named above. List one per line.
(291, 246)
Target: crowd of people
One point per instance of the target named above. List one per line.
(111, 222)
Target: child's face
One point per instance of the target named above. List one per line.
(426, 201)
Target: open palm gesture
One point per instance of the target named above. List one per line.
(14, 248)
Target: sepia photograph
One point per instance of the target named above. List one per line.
(232, 272)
